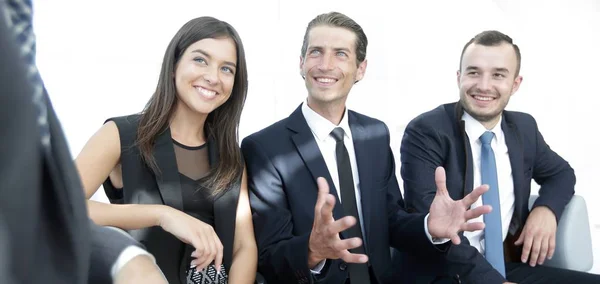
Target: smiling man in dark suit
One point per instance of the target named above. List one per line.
(478, 142)
(324, 194)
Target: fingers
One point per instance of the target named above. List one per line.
(543, 251)
(354, 257)
(471, 227)
(219, 255)
(347, 244)
(202, 253)
(340, 225)
(440, 181)
(323, 190)
(535, 251)
(207, 260)
(323, 186)
(209, 249)
(527, 244)
(474, 195)
(551, 246)
(326, 212)
(521, 239)
(198, 245)
(455, 239)
(478, 211)
(210, 252)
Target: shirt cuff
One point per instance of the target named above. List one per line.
(435, 241)
(317, 269)
(126, 255)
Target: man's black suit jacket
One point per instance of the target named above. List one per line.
(438, 138)
(46, 234)
(284, 162)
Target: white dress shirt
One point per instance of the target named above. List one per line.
(474, 130)
(321, 129)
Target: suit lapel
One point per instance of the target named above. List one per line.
(168, 179)
(515, 153)
(311, 155)
(466, 154)
(359, 137)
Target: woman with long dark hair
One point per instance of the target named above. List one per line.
(174, 173)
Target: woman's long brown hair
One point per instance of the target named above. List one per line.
(221, 125)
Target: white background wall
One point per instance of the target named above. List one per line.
(101, 59)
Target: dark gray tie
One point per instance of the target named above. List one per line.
(359, 272)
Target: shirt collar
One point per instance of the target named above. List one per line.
(475, 129)
(320, 126)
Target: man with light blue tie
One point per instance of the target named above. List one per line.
(478, 142)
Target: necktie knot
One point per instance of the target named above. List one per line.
(338, 134)
(486, 138)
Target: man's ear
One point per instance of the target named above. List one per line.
(360, 72)
(458, 78)
(516, 84)
(301, 65)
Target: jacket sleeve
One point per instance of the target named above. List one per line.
(407, 231)
(282, 256)
(554, 175)
(111, 250)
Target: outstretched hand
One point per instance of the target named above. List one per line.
(324, 241)
(448, 217)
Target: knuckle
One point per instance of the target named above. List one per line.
(327, 231)
(334, 246)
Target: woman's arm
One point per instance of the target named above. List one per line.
(98, 159)
(243, 267)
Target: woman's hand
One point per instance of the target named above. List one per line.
(196, 233)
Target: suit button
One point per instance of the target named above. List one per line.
(343, 266)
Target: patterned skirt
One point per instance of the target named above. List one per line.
(208, 275)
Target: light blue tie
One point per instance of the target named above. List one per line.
(494, 250)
